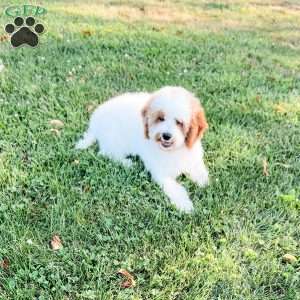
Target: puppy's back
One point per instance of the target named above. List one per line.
(119, 120)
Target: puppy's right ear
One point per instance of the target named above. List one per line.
(145, 116)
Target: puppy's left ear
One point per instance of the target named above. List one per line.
(198, 124)
(145, 120)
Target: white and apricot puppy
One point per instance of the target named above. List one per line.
(163, 128)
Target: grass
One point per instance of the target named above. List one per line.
(110, 218)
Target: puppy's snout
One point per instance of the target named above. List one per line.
(166, 136)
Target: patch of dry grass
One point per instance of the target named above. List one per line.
(279, 19)
(203, 14)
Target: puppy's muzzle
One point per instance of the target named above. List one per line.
(166, 136)
(166, 140)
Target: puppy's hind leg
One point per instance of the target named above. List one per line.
(87, 140)
(117, 157)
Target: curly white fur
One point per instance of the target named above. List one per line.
(163, 129)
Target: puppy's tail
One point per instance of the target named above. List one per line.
(87, 140)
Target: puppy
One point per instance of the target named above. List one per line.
(163, 128)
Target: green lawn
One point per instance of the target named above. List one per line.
(243, 62)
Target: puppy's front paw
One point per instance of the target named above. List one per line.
(179, 197)
(177, 194)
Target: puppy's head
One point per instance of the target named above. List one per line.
(174, 118)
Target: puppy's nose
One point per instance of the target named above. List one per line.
(166, 136)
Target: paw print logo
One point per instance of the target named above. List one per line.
(24, 34)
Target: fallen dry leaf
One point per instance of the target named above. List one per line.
(55, 243)
(4, 264)
(86, 188)
(280, 108)
(129, 279)
(265, 167)
(55, 131)
(86, 32)
(56, 123)
(4, 37)
(157, 29)
(90, 107)
(289, 258)
(258, 98)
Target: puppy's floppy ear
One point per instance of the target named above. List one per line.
(145, 112)
(198, 124)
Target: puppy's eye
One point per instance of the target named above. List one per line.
(179, 123)
(160, 119)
